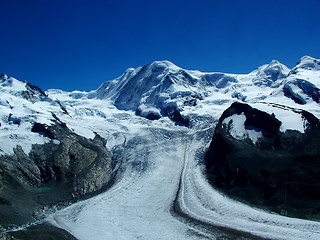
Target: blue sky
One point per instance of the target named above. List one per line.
(78, 44)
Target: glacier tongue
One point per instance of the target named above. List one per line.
(138, 206)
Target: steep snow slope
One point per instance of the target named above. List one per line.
(161, 191)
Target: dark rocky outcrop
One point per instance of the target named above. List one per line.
(176, 117)
(65, 168)
(288, 92)
(281, 171)
(33, 93)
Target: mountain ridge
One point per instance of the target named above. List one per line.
(154, 88)
(162, 89)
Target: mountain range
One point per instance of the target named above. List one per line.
(202, 155)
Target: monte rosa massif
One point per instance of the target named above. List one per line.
(164, 153)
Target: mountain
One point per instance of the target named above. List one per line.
(161, 89)
(43, 161)
(135, 148)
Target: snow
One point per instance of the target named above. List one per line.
(162, 84)
(308, 63)
(236, 124)
(237, 128)
(254, 135)
(17, 117)
(159, 157)
(290, 120)
(200, 201)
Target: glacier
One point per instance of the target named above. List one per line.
(161, 191)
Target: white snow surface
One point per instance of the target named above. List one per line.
(17, 116)
(237, 128)
(161, 191)
(236, 123)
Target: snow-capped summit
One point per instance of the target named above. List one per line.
(308, 63)
(24, 89)
(154, 70)
(9, 82)
(153, 90)
(302, 85)
(270, 74)
(163, 65)
(161, 89)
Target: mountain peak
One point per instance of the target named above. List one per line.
(269, 74)
(278, 66)
(164, 64)
(309, 63)
(274, 62)
(306, 58)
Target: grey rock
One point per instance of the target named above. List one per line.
(51, 172)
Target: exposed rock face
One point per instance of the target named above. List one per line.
(66, 167)
(85, 162)
(281, 170)
(33, 93)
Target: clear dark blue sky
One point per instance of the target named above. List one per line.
(78, 44)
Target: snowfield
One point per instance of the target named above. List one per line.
(161, 191)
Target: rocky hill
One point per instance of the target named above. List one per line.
(253, 158)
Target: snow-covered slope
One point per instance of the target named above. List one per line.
(21, 105)
(161, 191)
(303, 82)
